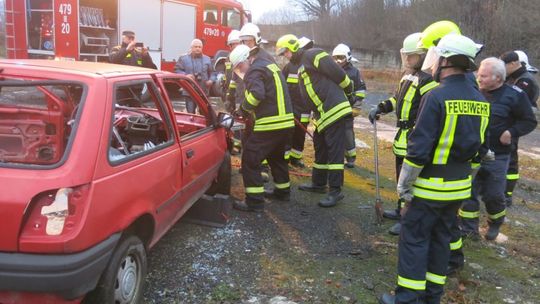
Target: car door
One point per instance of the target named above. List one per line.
(139, 169)
(201, 142)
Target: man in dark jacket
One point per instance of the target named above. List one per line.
(269, 106)
(130, 53)
(511, 117)
(326, 87)
(342, 55)
(518, 75)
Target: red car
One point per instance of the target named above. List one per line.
(97, 162)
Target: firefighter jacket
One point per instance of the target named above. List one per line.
(301, 108)
(267, 97)
(510, 110)
(525, 81)
(325, 85)
(120, 55)
(359, 86)
(450, 128)
(406, 102)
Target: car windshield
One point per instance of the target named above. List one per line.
(37, 120)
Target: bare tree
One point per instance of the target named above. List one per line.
(319, 9)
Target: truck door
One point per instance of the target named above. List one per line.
(178, 29)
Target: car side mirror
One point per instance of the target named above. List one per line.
(225, 120)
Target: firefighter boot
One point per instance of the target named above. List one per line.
(387, 298)
(391, 214)
(396, 229)
(243, 206)
(278, 195)
(493, 231)
(334, 196)
(312, 188)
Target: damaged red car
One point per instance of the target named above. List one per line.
(97, 163)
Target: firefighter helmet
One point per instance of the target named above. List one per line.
(453, 45)
(305, 43)
(524, 59)
(342, 50)
(436, 31)
(410, 45)
(239, 54)
(250, 30)
(234, 37)
(287, 42)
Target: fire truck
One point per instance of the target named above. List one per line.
(88, 29)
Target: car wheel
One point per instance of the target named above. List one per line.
(222, 184)
(123, 280)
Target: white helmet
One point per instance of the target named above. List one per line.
(239, 54)
(523, 58)
(250, 30)
(305, 42)
(234, 37)
(452, 45)
(343, 50)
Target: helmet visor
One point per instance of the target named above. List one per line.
(432, 57)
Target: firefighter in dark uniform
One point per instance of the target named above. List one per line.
(302, 112)
(269, 106)
(129, 54)
(406, 101)
(342, 55)
(230, 79)
(435, 176)
(511, 118)
(324, 83)
(518, 75)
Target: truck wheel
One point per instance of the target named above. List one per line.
(123, 279)
(222, 184)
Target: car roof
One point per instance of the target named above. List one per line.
(92, 69)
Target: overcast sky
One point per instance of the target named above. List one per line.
(259, 7)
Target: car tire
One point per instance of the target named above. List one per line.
(122, 281)
(222, 184)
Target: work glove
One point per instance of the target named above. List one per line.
(407, 177)
(374, 114)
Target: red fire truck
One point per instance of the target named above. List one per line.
(88, 29)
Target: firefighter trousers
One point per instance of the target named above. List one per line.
(269, 145)
(489, 184)
(424, 251)
(399, 164)
(457, 259)
(298, 139)
(350, 140)
(512, 174)
(329, 149)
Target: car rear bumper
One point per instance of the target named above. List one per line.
(69, 276)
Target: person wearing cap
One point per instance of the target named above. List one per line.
(128, 53)
(327, 88)
(413, 86)
(301, 109)
(518, 75)
(342, 55)
(268, 105)
(511, 117)
(436, 174)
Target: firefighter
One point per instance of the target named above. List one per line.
(250, 34)
(524, 59)
(406, 101)
(511, 118)
(128, 53)
(268, 104)
(230, 80)
(342, 56)
(326, 87)
(435, 176)
(302, 112)
(518, 75)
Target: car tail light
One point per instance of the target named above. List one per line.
(54, 213)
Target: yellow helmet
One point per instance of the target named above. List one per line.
(434, 33)
(287, 42)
